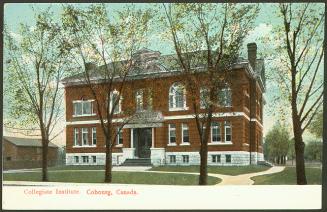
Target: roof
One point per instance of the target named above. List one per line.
(26, 142)
(151, 64)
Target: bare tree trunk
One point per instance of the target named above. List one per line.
(45, 144)
(203, 178)
(108, 171)
(299, 158)
(203, 163)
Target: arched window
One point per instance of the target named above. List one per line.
(114, 101)
(225, 97)
(177, 98)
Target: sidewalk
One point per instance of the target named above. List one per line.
(245, 179)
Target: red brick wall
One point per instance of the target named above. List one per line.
(160, 89)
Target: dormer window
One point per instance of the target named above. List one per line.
(177, 97)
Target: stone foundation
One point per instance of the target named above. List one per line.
(160, 157)
(117, 158)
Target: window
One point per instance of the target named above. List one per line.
(215, 132)
(85, 159)
(94, 159)
(177, 96)
(139, 100)
(215, 158)
(85, 138)
(225, 97)
(204, 98)
(186, 159)
(185, 134)
(76, 141)
(150, 99)
(94, 136)
(228, 158)
(172, 158)
(83, 108)
(76, 159)
(119, 136)
(172, 133)
(228, 132)
(115, 102)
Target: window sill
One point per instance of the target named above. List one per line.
(220, 143)
(178, 108)
(172, 144)
(119, 145)
(86, 146)
(185, 144)
(84, 115)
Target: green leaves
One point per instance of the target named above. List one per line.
(317, 124)
(277, 141)
(36, 63)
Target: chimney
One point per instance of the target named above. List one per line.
(252, 54)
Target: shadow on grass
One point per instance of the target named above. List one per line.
(288, 177)
(226, 170)
(118, 177)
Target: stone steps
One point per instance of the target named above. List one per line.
(137, 162)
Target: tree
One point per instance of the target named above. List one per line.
(316, 124)
(104, 47)
(36, 62)
(277, 144)
(207, 39)
(300, 40)
(313, 151)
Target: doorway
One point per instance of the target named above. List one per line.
(142, 141)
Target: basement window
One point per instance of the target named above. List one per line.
(186, 158)
(172, 158)
(85, 159)
(215, 158)
(228, 158)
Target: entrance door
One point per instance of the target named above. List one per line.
(142, 138)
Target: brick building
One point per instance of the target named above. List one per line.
(163, 128)
(22, 153)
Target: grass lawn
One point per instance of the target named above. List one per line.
(118, 177)
(288, 177)
(77, 167)
(227, 170)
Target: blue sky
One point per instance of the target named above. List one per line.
(16, 13)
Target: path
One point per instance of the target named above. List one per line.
(243, 179)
